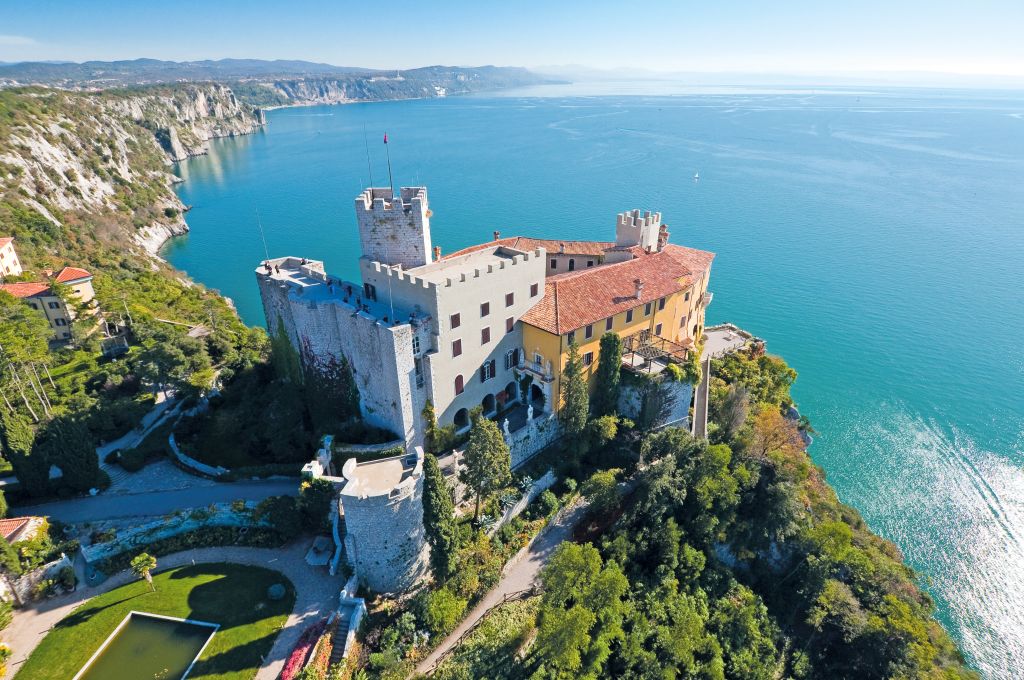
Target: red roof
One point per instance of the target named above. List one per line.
(25, 290)
(10, 527)
(552, 246)
(71, 274)
(576, 299)
(4, 240)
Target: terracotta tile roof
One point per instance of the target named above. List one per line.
(25, 290)
(10, 527)
(576, 299)
(552, 246)
(4, 240)
(71, 274)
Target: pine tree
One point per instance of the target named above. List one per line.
(439, 519)
(488, 463)
(67, 443)
(576, 400)
(16, 437)
(609, 365)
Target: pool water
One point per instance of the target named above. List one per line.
(149, 648)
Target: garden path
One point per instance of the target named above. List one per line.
(519, 574)
(316, 596)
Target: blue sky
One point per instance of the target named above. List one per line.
(787, 36)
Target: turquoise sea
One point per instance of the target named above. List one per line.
(875, 238)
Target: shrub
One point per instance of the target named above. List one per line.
(66, 578)
(546, 503)
(132, 460)
(6, 614)
(103, 535)
(297, 659)
(315, 499)
(440, 610)
(282, 513)
(112, 457)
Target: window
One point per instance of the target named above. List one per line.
(572, 264)
(682, 322)
(456, 348)
(460, 385)
(33, 305)
(485, 335)
(510, 299)
(53, 305)
(629, 315)
(608, 323)
(589, 332)
(538, 360)
(370, 290)
(534, 289)
(511, 359)
(418, 365)
(487, 370)
(657, 329)
(485, 309)
(571, 337)
(60, 322)
(510, 323)
(647, 309)
(590, 263)
(554, 263)
(456, 320)
(415, 344)
(687, 296)
(588, 358)
(661, 304)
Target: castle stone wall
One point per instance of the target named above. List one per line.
(395, 230)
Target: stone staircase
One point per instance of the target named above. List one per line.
(339, 635)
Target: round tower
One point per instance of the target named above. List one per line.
(383, 505)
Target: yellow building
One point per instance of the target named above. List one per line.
(41, 296)
(655, 301)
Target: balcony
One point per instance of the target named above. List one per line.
(705, 299)
(537, 370)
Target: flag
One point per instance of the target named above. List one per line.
(385, 138)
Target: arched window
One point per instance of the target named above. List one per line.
(572, 264)
(461, 419)
(459, 384)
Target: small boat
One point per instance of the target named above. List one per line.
(696, 177)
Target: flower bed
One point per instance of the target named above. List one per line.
(297, 660)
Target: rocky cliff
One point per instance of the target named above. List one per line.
(107, 153)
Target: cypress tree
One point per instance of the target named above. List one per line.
(574, 393)
(439, 519)
(429, 428)
(609, 366)
(67, 442)
(488, 463)
(32, 470)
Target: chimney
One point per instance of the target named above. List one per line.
(638, 286)
(561, 248)
(437, 252)
(497, 235)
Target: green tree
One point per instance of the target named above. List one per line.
(575, 406)
(609, 367)
(439, 520)
(331, 394)
(31, 468)
(430, 430)
(601, 489)
(3, 505)
(487, 462)
(67, 443)
(142, 565)
(315, 503)
(440, 610)
(284, 357)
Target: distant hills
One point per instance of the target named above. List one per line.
(269, 83)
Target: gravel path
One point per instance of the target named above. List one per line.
(519, 574)
(316, 596)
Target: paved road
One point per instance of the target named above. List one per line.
(520, 574)
(104, 506)
(700, 402)
(316, 596)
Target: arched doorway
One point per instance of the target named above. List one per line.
(511, 392)
(536, 397)
(488, 403)
(461, 419)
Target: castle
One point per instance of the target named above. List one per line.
(488, 326)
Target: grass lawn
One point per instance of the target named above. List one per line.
(489, 651)
(235, 596)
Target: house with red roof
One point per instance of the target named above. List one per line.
(43, 296)
(10, 265)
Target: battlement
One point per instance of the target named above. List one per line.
(393, 229)
(634, 228)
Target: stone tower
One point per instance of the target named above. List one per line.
(634, 228)
(385, 541)
(395, 231)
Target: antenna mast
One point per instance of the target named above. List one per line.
(263, 237)
(369, 168)
(391, 182)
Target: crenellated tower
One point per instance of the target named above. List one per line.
(395, 231)
(634, 228)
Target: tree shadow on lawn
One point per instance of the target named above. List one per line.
(88, 612)
(246, 656)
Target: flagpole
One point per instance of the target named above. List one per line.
(366, 143)
(391, 181)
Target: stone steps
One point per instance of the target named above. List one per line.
(338, 637)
